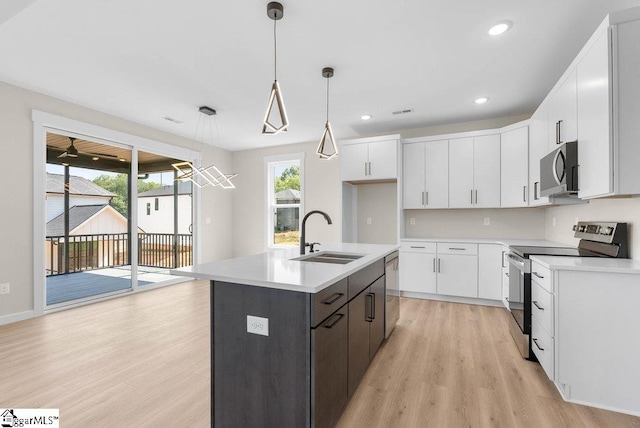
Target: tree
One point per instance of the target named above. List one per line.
(120, 186)
(289, 179)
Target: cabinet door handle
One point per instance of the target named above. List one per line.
(535, 302)
(537, 345)
(507, 273)
(503, 259)
(476, 196)
(334, 298)
(471, 196)
(371, 307)
(524, 193)
(426, 198)
(438, 265)
(538, 275)
(416, 246)
(369, 168)
(337, 319)
(434, 264)
(535, 190)
(457, 248)
(506, 298)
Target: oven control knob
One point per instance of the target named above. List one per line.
(606, 230)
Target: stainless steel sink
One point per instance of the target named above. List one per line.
(330, 257)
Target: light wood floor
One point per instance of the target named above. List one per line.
(143, 361)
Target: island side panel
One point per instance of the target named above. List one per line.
(260, 380)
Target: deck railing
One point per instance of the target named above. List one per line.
(99, 251)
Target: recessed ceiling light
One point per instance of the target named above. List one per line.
(500, 28)
(366, 117)
(95, 158)
(482, 100)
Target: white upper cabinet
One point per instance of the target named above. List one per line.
(514, 176)
(474, 172)
(486, 171)
(372, 159)
(538, 148)
(608, 112)
(425, 175)
(461, 173)
(563, 113)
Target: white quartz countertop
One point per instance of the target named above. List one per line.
(276, 269)
(589, 264)
(501, 241)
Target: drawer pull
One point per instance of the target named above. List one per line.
(434, 264)
(334, 298)
(535, 302)
(457, 248)
(416, 246)
(507, 273)
(537, 346)
(506, 298)
(339, 317)
(538, 275)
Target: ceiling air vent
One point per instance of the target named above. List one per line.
(403, 111)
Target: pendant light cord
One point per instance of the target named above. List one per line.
(275, 51)
(327, 99)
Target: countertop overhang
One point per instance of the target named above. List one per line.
(276, 269)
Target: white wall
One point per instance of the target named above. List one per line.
(377, 202)
(322, 191)
(16, 217)
(620, 210)
(522, 223)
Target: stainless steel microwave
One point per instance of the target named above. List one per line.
(559, 171)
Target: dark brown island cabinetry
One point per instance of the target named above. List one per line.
(302, 368)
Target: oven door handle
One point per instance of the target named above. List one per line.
(514, 260)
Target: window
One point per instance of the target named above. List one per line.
(148, 208)
(284, 178)
(157, 204)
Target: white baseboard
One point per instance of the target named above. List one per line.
(453, 299)
(20, 316)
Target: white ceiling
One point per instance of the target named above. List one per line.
(145, 59)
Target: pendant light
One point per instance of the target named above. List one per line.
(203, 177)
(275, 11)
(327, 147)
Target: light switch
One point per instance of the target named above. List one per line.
(4, 288)
(368, 220)
(207, 220)
(412, 221)
(487, 221)
(258, 325)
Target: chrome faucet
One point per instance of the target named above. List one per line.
(303, 244)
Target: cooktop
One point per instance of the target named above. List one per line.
(526, 251)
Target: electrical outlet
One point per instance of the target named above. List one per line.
(207, 220)
(487, 221)
(412, 221)
(553, 221)
(4, 288)
(368, 220)
(258, 325)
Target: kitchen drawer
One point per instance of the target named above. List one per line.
(327, 301)
(541, 275)
(364, 277)
(418, 247)
(542, 307)
(457, 248)
(543, 347)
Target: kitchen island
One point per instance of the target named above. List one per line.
(291, 339)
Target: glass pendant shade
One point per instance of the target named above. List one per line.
(275, 99)
(327, 147)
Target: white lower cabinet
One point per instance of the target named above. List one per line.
(505, 276)
(543, 347)
(418, 272)
(457, 275)
(490, 271)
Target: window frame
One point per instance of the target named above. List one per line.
(270, 162)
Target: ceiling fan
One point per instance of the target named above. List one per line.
(72, 152)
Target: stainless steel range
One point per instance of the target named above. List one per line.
(597, 239)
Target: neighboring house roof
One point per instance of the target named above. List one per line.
(184, 188)
(77, 186)
(288, 195)
(78, 214)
